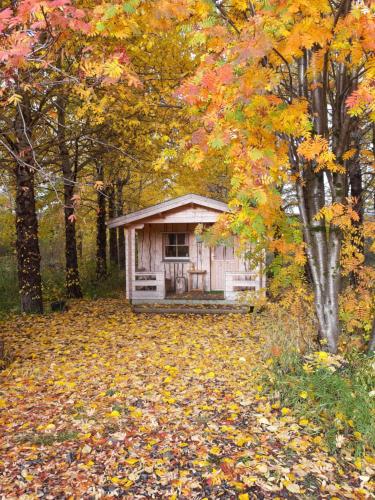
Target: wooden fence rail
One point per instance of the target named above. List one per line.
(236, 282)
(148, 285)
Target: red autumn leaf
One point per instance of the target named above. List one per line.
(225, 74)
(209, 80)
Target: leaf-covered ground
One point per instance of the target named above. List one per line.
(100, 402)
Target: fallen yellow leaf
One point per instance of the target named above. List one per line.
(115, 414)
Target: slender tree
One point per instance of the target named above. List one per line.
(72, 281)
(120, 230)
(101, 230)
(27, 244)
(113, 248)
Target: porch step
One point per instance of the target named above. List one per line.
(190, 309)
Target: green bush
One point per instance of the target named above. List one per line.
(110, 287)
(9, 298)
(335, 393)
(53, 281)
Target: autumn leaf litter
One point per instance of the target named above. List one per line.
(100, 402)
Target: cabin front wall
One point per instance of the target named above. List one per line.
(151, 273)
(225, 260)
(215, 261)
(150, 245)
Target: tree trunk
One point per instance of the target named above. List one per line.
(101, 231)
(113, 250)
(80, 245)
(27, 244)
(72, 280)
(121, 247)
(356, 192)
(323, 248)
(356, 187)
(324, 239)
(323, 255)
(120, 230)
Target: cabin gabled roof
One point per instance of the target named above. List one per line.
(166, 206)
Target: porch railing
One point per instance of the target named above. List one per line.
(236, 282)
(148, 285)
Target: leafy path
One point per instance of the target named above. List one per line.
(100, 402)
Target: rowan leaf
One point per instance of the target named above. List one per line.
(15, 99)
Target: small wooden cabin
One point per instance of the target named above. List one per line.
(165, 259)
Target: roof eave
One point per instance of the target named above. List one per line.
(166, 206)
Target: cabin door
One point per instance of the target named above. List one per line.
(222, 261)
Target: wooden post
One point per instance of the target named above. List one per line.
(130, 261)
(128, 277)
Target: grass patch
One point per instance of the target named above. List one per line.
(335, 393)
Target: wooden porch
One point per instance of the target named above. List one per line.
(199, 295)
(148, 286)
(191, 302)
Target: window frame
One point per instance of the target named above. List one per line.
(186, 244)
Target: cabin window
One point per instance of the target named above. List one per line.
(222, 252)
(176, 246)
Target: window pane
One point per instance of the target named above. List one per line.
(183, 251)
(229, 253)
(222, 252)
(171, 239)
(219, 252)
(181, 239)
(170, 251)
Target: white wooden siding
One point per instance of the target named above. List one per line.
(186, 216)
(220, 267)
(150, 276)
(150, 257)
(148, 285)
(237, 282)
(151, 252)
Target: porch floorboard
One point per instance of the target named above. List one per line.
(196, 295)
(189, 306)
(168, 301)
